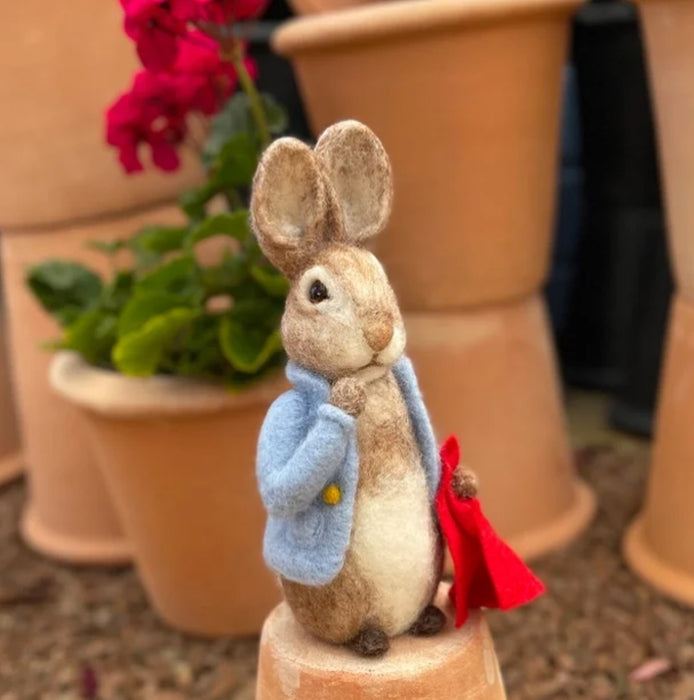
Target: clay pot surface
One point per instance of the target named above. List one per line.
(489, 377)
(659, 544)
(455, 664)
(59, 71)
(309, 7)
(667, 26)
(69, 514)
(179, 458)
(10, 457)
(466, 98)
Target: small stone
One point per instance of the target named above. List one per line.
(183, 674)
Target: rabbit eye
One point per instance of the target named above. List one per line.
(318, 292)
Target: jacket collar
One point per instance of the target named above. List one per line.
(308, 382)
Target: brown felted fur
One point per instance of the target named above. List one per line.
(384, 435)
(348, 393)
(311, 210)
(359, 169)
(464, 483)
(366, 310)
(336, 612)
(293, 210)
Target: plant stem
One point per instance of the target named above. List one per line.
(233, 51)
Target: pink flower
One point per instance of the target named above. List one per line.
(203, 75)
(226, 11)
(209, 80)
(154, 113)
(155, 26)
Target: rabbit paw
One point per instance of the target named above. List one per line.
(349, 394)
(465, 483)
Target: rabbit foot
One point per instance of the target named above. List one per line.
(429, 622)
(370, 642)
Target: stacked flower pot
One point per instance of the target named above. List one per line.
(466, 98)
(10, 456)
(659, 545)
(60, 187)
(118, 470)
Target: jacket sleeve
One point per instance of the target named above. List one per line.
(297, 460)
(424, 432)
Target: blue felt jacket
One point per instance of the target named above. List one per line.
(307, 444)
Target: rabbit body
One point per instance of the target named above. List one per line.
(394, 558)
(371, 560)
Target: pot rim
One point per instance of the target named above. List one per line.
(370, 22)
(116, 395)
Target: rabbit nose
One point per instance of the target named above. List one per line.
(378, 330)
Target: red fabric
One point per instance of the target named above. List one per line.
(487, 573)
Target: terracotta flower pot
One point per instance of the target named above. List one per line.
(10, 458)
(178, 456)
(659, 545)
(61, 184)
(489, 377)
(58, 71)
(455, 664)
(308, 7)
(69, 513)
(466, 98)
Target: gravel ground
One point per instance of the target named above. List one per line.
(71, 633)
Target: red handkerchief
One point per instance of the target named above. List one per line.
(487, 573)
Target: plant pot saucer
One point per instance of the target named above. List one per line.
(675, 583)
(10, 467)
(75, 550)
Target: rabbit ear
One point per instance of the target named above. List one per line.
(359, 170)
(292, 208)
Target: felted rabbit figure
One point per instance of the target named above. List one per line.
(348, 465)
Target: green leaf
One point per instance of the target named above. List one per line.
(272, 282)
(235, 163)
(93, 335)
(232, 224)
(201, 355)
(152, 242)
(117, 292)
(236, 117)
(178, 276)
(193, 202)
(226, 277)
(65, 289)
(263, 313)
(140, 353)
(248, 349)
(142, 307)
(276, 115)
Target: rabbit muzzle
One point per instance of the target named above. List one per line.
(378, 329)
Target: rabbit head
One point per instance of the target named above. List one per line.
(312, 210)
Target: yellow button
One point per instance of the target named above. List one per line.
(332, 494)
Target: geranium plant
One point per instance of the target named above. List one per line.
(165, 311)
